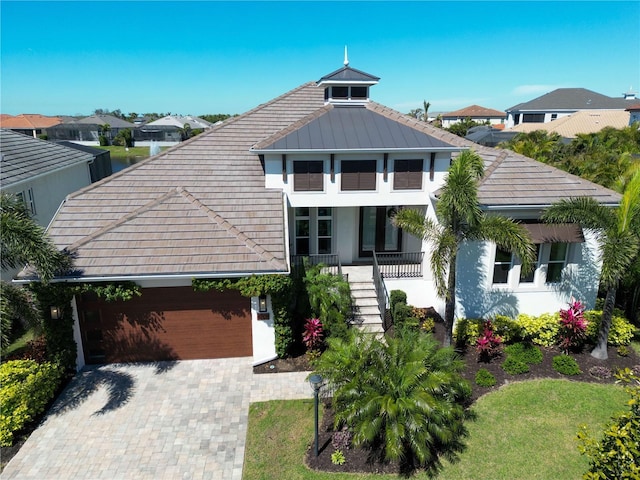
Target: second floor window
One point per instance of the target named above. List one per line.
(557, 262)
(358, 175)
(407, 174)
(308, 176)
(501, 266)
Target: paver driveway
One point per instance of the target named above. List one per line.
(169, 420)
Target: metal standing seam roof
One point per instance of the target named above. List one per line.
(201, 208)
(25, 157)
(343, 128)
(347, 74)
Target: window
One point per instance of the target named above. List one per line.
(308, 176)
(557, 261)
(302, 230)
(533, 118)
(325, 230)
(359, 92)
(530, 277)
(26, 197)
(554, 116)
(340, 92)
(358, 175)
(501, 266)
(407, 174)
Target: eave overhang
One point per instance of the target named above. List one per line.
(357, 150)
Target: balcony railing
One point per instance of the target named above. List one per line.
(382, 295)
(331, 262)
(400, 265)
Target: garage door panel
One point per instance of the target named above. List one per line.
(171, 324)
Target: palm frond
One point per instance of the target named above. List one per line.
(585, 211)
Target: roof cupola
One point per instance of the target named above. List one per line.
(347, 85)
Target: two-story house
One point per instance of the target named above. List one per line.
(316, 172)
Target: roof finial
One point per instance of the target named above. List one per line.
(346, 58)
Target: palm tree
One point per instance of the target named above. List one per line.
(403, 398)
(618, 235)
(23, 241)
(460, 219)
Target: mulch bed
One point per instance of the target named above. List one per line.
(357, 460)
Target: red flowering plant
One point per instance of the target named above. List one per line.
(488, 343)
(312, 336)
(573, 326)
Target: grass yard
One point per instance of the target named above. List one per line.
(20, 343)
(120, 152)
(525, 430)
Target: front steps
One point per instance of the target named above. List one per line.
(366, 313)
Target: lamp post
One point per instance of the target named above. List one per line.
(316, 382)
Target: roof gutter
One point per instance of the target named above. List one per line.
(358, 150)
(532, 206)
(133, 278)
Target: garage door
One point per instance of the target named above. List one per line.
(165, 324)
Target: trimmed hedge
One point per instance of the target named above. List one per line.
(26, 387)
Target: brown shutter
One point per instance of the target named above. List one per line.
(308, 176)
(407, 174)
(358, 175)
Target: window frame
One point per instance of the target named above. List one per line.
(563, 262)
(501, 263)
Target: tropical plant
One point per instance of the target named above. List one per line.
(329, 298)
(22, 242)
(488, 343)
(403, 398)
(312, 335)
(618, 235)
(573, 326)
(460, 219)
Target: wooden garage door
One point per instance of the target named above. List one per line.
(166, 324)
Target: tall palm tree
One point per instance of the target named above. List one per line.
(403, 398)
(460, 219)
(23, 241)
(618, 235)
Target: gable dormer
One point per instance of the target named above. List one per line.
(347, 85)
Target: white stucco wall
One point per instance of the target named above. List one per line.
(263, 334)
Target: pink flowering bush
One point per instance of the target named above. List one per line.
(573, 326)
(488, 343)
(313, 334)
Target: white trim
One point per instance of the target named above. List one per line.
(358, 150)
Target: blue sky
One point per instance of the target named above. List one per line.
(67, 58)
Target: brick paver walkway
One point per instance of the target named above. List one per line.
(182, 420)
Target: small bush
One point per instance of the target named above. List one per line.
(488, 344)
(541, 330)
(341, 440)
(484, 378)
(467, 330)
(428, 325)
(623, 351)
(566, 365)
(26, 387)
(338, 458)
(620, 333)
(312, 337)
(403, 315)
(600, 372)
(513, 366)
(508, 328)
(395, 297)
(573, 327)
(525, 352)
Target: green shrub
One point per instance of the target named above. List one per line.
(616, 454)
(338, 458)
(524, 352)
(620, 333)
(513, 366)
(403, 315)
(395, 297)
(467, 330)
(623, 351)
(26, 387)
(541, 329)
(508, 328)
(566, 365)
(484, 378)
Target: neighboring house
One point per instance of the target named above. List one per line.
(634, 113)
(316, 172)
(29, 124)
(489, 136)
(169, 130)
(564, 101)
(86, 131)
(42, 173)
(101, 166)
(584, 121)
(477, 114)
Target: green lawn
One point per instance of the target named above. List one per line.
(525, 430)
(20, 343)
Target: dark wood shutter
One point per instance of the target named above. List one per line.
(407, 174)
(358, 175)
(308, 176)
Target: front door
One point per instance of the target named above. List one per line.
(377, 233)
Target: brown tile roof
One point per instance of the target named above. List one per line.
(201, 207)
(198, 208)
(583, 121)
(28, 121)
(475, 111)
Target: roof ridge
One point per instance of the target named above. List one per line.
(122, 220)
(229, 228)
(502, 156)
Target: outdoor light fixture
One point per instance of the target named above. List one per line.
(55, 313)
(316, 382)
(262, 304)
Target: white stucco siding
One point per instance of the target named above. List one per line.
(263, 334)
(477, 297)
